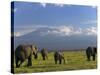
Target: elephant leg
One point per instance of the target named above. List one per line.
(93, 57)
(60, 61)
(36, 56)
(88, 57)
(21, 62)
(29, 61)
(43, 57)
(17, 60)
(55, 61)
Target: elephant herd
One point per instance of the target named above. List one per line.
(24, 52)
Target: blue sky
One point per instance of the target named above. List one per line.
(70, 23)
(29, 16)
(52, 14)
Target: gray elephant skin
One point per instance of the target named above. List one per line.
(24, 52)
(58, 57)
(44, 54)
(91, 52)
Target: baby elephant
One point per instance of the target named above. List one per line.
(59, 56)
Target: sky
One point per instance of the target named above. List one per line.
(61, 20)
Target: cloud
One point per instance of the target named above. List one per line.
(60, 5)
(62, 30)
(57, 4)
(43, 4)
(91, 31)
(70, 31)
(66, 30)
(17, 34)
(23, 32)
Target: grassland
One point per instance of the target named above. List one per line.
(75, 60)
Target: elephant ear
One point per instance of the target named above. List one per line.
(34, 49)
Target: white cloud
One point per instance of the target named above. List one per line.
(91, 31)
(17, 34)
(43, 4)
(60, 5)
(62, 30)
(78, 31)
(23, 32)
(66, 30)
(70, 30)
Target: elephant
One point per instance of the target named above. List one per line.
(44, 54)
(91, 51)
(24, 52)
(59, 56)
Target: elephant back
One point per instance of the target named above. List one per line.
(89, 50)
(23, 51)
(44, 51)
(57, 54)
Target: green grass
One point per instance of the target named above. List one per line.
(75, 60)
